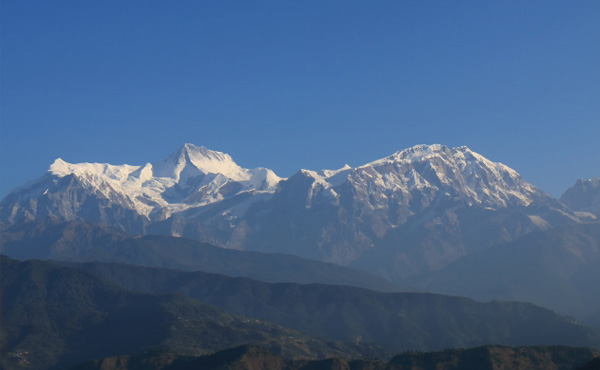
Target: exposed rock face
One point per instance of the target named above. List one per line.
(414, 211)
(584, 196)
(134, 197)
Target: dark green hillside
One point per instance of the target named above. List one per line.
(81, 241)
(496, 358)
(481, 358)
(591, 365)
(397, 321)
(55, 316)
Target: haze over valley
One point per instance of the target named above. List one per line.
(283, 185)
(425, 219)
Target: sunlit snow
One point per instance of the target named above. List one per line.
(190, 177)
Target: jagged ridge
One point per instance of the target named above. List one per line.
(416, 210)
(191, 177)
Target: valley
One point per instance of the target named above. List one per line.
(350, 264)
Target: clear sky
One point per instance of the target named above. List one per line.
(301, 84)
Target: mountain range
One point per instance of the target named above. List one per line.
(555, 268)
(54, 239)
(416, 211)
(394, 321)
(54, 317)
(341, 254)
(250, 357)
(584, 196)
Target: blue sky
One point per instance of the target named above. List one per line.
(301, 84)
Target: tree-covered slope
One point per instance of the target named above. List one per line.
(55, 316)
(397, 321)
(481, 358)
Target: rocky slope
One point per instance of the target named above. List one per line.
(132, 197)
(584, 196)
(415, 211)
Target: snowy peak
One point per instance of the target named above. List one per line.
(191, 177)
(423, 152)
(336, 176)
(263, 178)
(332, 214)
(61, 168)
(191, 160)
(584, 196)
(417, 153)
(467, 174)
(427, 172)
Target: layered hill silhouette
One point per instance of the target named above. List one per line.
(51, 238)
(444, 219)
(395, 321)
(551, 268)
(53, 317)
(481, 358)
(555, 268)
(56, 316)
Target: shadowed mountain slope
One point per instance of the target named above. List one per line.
(583, 196)
(481, 358)
(57, 316)
(412, 212)
(396, 321)
(556, 268)
(51, 238)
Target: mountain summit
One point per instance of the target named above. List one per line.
(190, 160)
(191, 177)
(457, 172)
(472, 176)
(584, 196)
(414, 211)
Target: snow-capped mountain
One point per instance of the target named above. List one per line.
(190, 178)
(416, 210)
(430, 169)
(584, 196)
